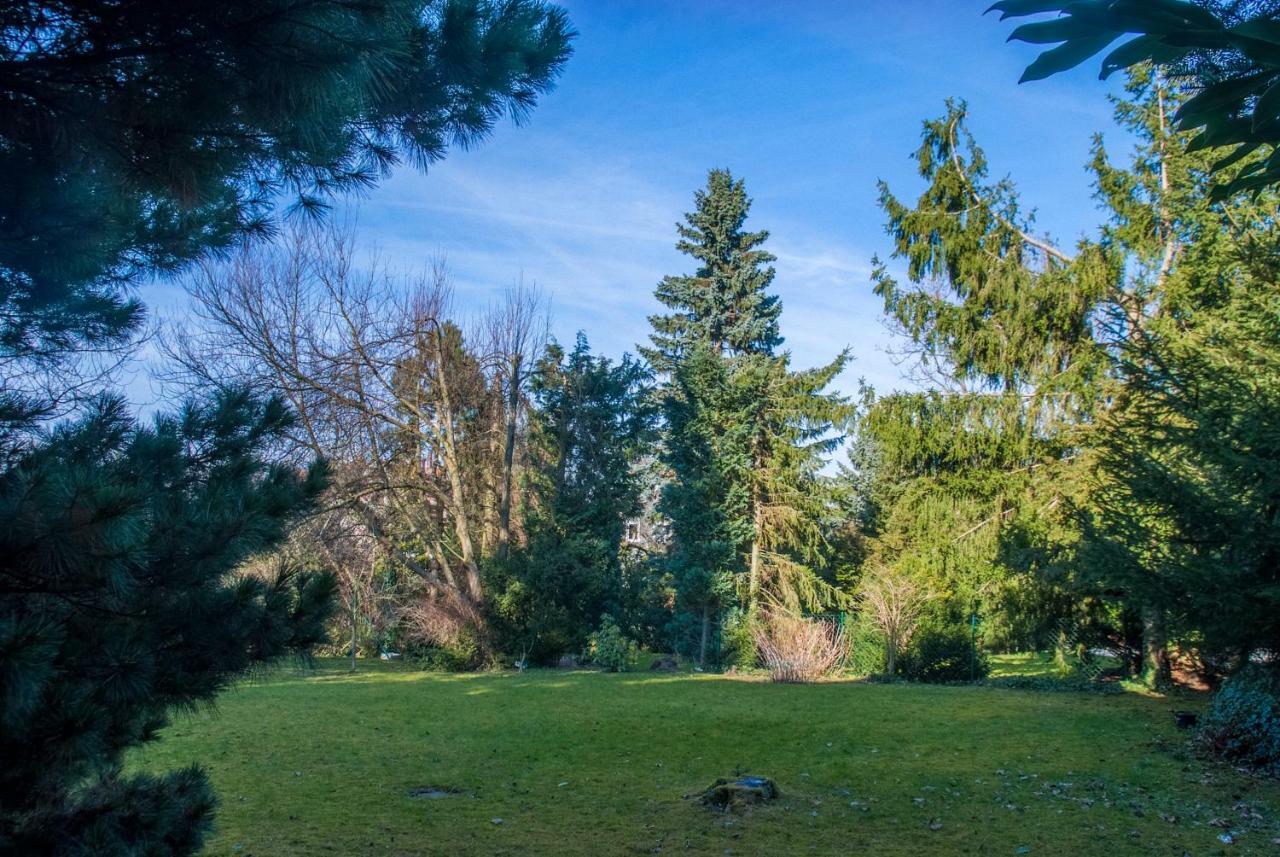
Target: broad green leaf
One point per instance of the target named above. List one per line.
(1267, 106)
(1253, 184)
(1141, 49)
(1057, 30)
(1261, 29)
(1218, 99)
(1238, 154)
(1263, 52)
(1066, 55)
(1021, 8)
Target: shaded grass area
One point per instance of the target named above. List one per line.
(589, 763)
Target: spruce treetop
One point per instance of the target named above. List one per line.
(725, 305)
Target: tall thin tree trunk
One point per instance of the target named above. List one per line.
(508, 459)
(453, 464)
(353, 629)
(757, 529)
(890, 654)
(706, 632)
(1159, 673)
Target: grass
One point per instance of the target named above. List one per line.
(1023, 665)
(594, 764)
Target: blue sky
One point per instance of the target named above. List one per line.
(810, 103)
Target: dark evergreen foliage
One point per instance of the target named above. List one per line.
(1243, 725)
(1187, 509)
(724, 306)
(589, 435)
(706, 514)
(135, 137)
(123, 599)
(943, 650)
(745, 434)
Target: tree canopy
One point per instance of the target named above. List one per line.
(137, 137)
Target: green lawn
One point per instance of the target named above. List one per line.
(593, 764)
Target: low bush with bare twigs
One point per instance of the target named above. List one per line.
(798, 650)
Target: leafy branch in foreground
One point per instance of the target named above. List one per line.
(1229, 51)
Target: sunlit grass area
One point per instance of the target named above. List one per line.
(1023, 665)
(545, 762)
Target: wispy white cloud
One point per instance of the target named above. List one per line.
(598, 234)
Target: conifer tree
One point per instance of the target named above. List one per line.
(788, 423)
(1036, 351)
(745, 433)
(136, 138)
(725, 305)
(707, 514)
(124, 597)
(592, 425)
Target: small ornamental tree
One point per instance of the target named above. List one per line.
(894, 602)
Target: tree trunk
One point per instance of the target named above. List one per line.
(508, 460)
(890, 655)
(1060, 660)
(1158, 672)
(706, 632)
(759, 447)
(757, 528)
(353, 629)
(453, 465)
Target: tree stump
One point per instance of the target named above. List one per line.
(728, 795)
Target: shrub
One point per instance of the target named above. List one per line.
(799, 650)
(609, 648)
(866, 647)
(738, 642)
(461, 655)
(943, 652)
(1243, 724)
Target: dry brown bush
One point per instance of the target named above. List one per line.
(797, 650)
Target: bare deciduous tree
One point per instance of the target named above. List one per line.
(517, 330)
(383, 385)
(894, 602)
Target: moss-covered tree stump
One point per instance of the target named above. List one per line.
(727, 794)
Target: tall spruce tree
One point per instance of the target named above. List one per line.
(1187, 484)
(788, 423)
(722, 309)
(1037, 351)
(997, 320)
(725, 306)
(1185, 464)
(744, 433)
(707, 514)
